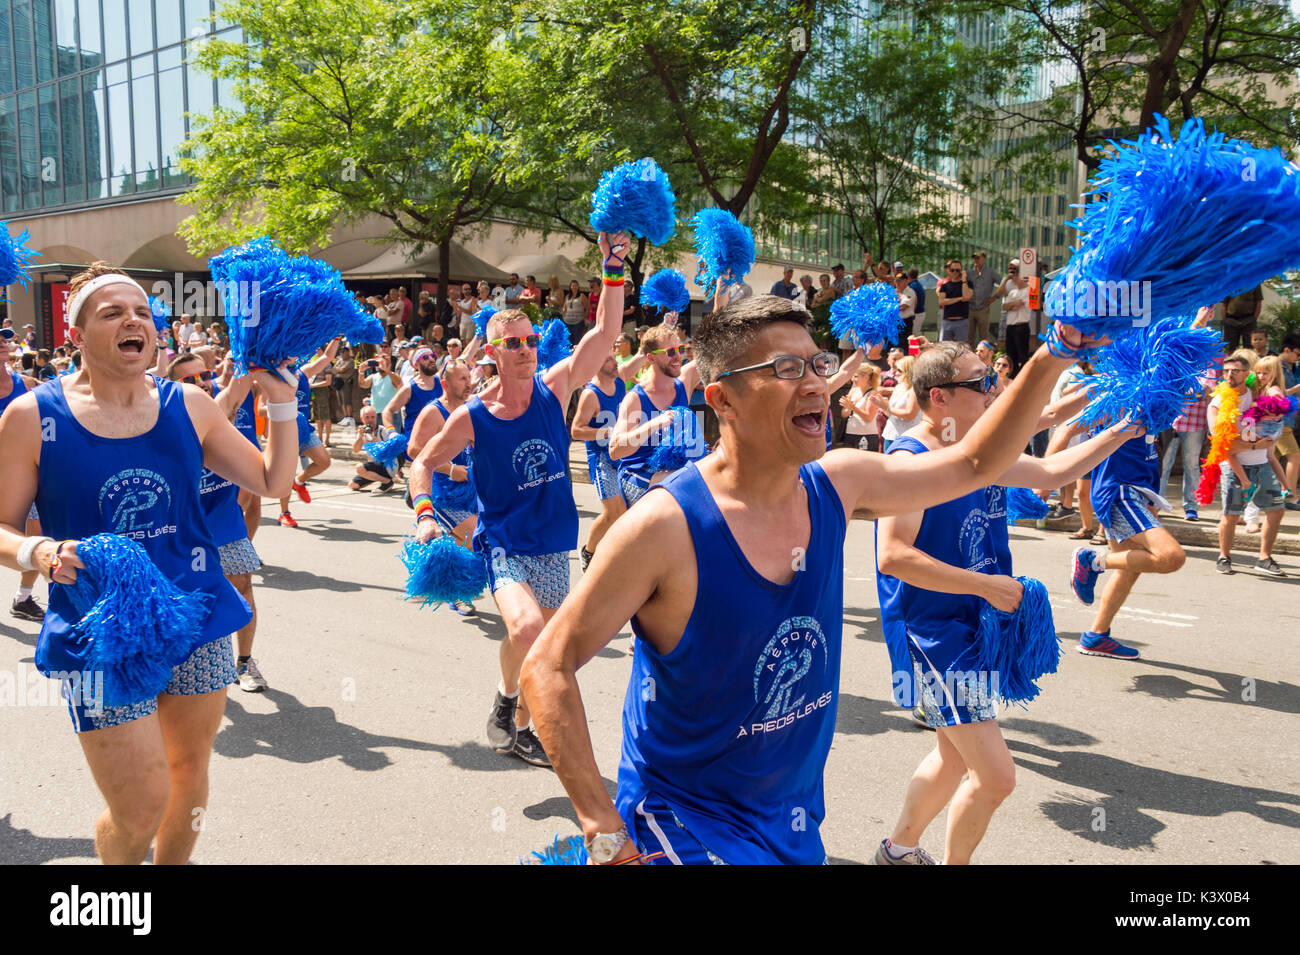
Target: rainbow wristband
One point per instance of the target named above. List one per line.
(423, 505)
(611, 277)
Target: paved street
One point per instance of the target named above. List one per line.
(369, 748)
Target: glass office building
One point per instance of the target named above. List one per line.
(94, 96)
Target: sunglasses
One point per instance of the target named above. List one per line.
(791, 367)
(515, 342)
(983, 384)
(195, 379)
(670, 352)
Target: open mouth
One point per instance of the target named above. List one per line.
(131, 345)
(810, 422)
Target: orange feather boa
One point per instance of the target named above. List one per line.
(1225, 433)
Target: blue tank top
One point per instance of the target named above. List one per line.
(19, 388)
(220, 499)
(415, 404)
(303, 396)
(639, 460)
(1135, 462)
(246, 419)
(607, 414)
(969, 532)
(732, 728)
(525, 504)
(446, 491)
(145, 488)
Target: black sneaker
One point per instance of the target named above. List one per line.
(529, 748)
(1292, 505)
(501, 730)
(1269, 566)
(1224, 565)
(584, 557)
(1058, 512)
(27, 609)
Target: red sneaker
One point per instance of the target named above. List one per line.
(303, 494)
(286, 520)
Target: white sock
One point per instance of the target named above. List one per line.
(23, 593)
(1098, 562)
(897, 851)
(509, 696)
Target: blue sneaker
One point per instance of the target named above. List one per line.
(1084, 578)
(1101, 645)
(1190, 515)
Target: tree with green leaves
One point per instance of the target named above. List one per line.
(349, 109)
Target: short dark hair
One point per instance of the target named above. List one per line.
(179, 360)
(912, 273)
(935, 366)
(1292, 341)
(731, 331)
(840, 266)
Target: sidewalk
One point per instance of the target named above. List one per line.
(1203, 533)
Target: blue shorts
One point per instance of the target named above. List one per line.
(604, 475)
(547, 574)
(1268, 493)
(452, 517)
(663, 840)
(312, 440)
(951, 692)
(32, 515)
(1129, 515)
(633, 486)
(209, 668)
(239, 557)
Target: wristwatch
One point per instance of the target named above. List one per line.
(603, 846)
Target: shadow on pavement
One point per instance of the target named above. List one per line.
(23, 847)
(1278, 697)
(21, 636)
(481, 759)
(304, 734)
(345, 534)
(1126, 789)
(559, 807)
(867, 717)
(282, 578)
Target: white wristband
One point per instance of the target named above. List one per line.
(282, 410)
(25, 549)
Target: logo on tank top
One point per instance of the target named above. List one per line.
(535, 463)
(995, 502)
(242, 421)
(211, 481)
(137, 503)
(973, 539)
(790, 668)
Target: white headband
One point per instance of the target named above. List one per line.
(94, 285)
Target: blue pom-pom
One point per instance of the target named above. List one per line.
(1150, 376)
(457, 495)
(1170, 212)
(1016, 649)
(15, 257)
(1023, 504)
(280, 306)
(725, 247)
(160, 312)
(554, 346)
(679, 443)
(635, 197)
(573, 851)
(136, 623)
(665, 289)
(442, 571)
(481, 319)
(869, 314)
(387, 452)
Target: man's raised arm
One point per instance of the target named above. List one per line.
(593, 347)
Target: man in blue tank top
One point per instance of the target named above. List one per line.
(527, 520)
(310, 446)
(936, 568)
(593, 422)
(732, 577)
(220, 497)
(452, 491)
(13, 385)
(114, 450)
(645, 412)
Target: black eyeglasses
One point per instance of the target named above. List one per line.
(791, 367)
(983, 384)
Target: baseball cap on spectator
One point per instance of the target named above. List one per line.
(7, 334)
(485, 360)
(1014, 263)
(898, 266)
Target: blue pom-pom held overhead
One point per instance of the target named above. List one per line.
(280, 306)
(1166, 214)
(665, 289)
(635, 197)
(869, 315)
(15, 257)
(481, 319)
(725, 248)
(554, 346)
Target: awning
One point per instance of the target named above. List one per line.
(542, 267)
(397, 263)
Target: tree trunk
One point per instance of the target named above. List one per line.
(1162, 67)
(444, 279)
(634, 264)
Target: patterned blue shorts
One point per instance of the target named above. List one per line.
(663, 840)
(604, 475)
(547, 574)
(451, 517)
(633, 486)
(1129, 515)
(239, 557)
(209, 668)
(954, 697)
(32, 515)
(311, 441)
